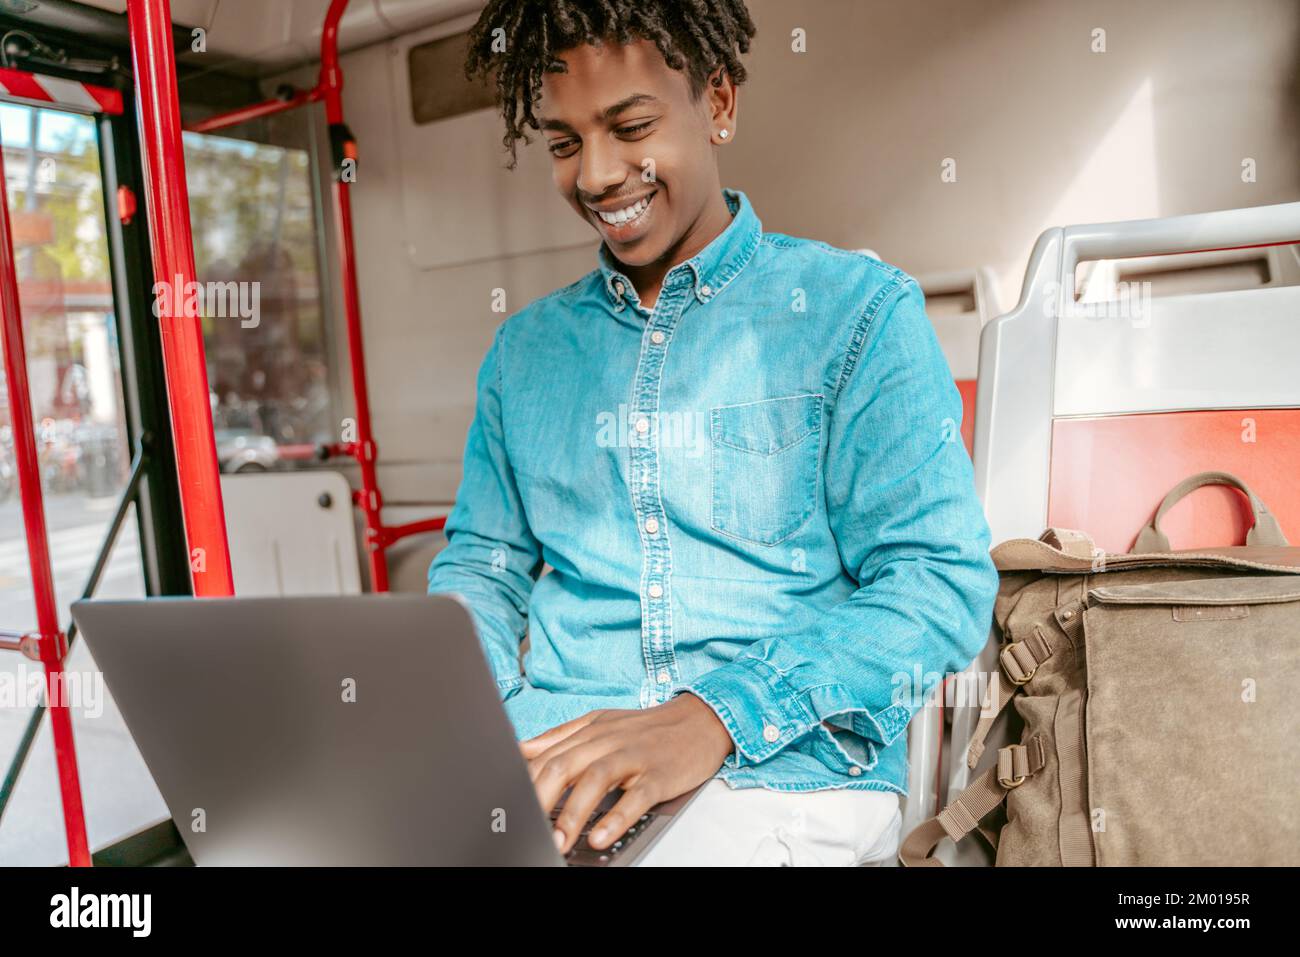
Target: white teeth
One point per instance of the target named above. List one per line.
(623, 216)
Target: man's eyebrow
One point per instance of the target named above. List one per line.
(636, 99)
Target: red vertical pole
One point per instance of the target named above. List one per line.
(173, 260)
(331, 82)
(329, 87)
(369, 497)
(50, 643)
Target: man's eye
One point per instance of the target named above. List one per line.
(563, 147)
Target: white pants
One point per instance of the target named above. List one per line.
(761, 828)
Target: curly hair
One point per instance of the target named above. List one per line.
(695, 35)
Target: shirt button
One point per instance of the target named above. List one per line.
(706, 292)
(656, 591)
(657, 337)
(618, 286)
(771, 733)
(854, 772)
(643, 425)
(664, 677)
(651, 525)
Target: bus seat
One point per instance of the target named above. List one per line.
(409, 558)
(1089, 411)
(291, 533)
(1148, 452)
(958, 304)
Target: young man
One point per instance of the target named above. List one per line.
(737, 450)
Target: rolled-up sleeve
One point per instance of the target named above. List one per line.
(910, 532)
(491, 559)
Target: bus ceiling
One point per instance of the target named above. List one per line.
(285, 40)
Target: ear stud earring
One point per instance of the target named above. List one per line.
(723, 134)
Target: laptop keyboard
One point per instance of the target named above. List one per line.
(584, 855)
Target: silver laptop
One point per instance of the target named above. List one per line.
(360, 730)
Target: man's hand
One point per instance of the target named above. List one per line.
(653, 755)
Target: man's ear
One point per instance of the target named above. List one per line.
(722, 94)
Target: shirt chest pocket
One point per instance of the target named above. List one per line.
(765, 467)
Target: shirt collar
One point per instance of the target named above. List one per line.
(711, 268)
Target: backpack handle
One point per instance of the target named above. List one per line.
(1265, 531)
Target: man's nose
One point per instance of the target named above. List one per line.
(602, 168)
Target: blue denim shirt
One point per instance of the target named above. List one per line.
(755, 491)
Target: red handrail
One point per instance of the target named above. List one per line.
(48, 644)
(246, 113)
(173, 260)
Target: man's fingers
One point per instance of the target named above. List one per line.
(595, 742)
(598, 779)
(580, 738)
(547, 739)
(636, 800)
(553, 773)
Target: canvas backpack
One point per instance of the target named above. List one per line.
(1158, 696)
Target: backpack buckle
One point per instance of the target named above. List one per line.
(1013, 766)
(1020, 659)
(1015, 670)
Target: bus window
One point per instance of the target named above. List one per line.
(56, 201)
(256, 247)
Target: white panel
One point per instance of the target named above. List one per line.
(1226, 350)
(404, 15)
(283, 541)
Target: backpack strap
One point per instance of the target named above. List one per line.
(1070, 541)
(1016, 764)
(1019, 661)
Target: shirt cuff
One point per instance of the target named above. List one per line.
(764, 714)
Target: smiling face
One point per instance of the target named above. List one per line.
(634, 153)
